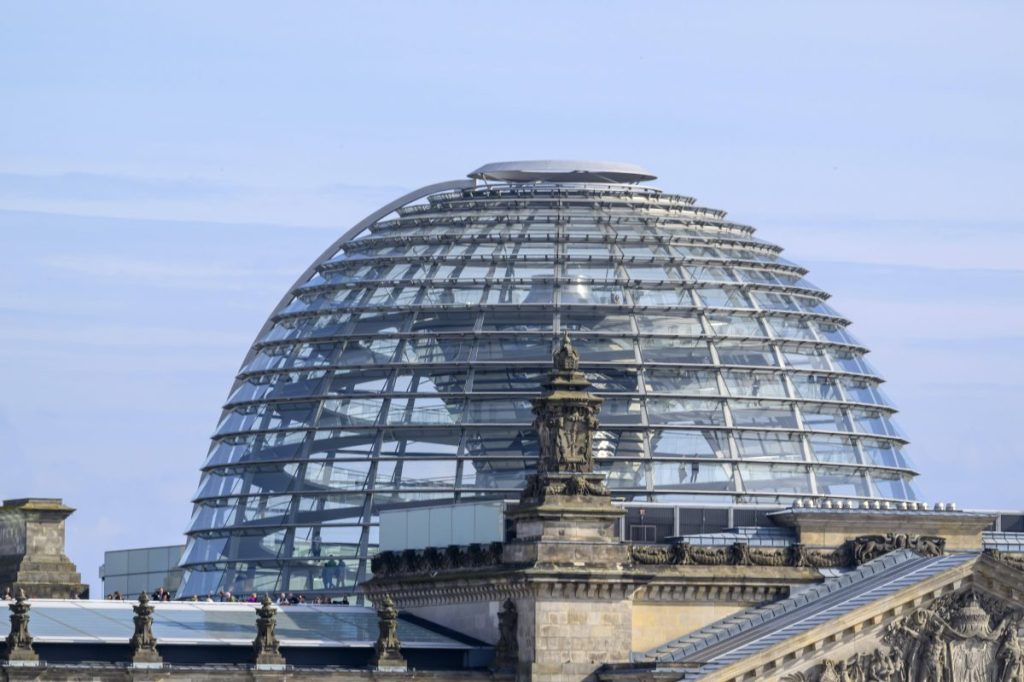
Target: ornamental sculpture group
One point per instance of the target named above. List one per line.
(858, 551)
(267, 655)
(963, 637)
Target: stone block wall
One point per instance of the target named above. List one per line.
(568, 640)
(477, 619)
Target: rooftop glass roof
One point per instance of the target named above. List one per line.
(202, 623)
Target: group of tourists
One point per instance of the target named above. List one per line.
(159, 594)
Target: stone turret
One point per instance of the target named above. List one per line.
(565, 514)
(32, 554)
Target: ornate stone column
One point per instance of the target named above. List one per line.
(19, 642)
(387, 656)
(266, 647)
(143, 643)
(577, 614)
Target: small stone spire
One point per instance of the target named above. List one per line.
(506, 651)
(266, 647)
(567, 359)
(143, 642)
(387, 656)
(19, 641)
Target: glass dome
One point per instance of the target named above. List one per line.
(399, 370)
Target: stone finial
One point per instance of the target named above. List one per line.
(143, 643)
(19, 641)
(387, 657)
(266, 647)
(506, 651)
(567, 359)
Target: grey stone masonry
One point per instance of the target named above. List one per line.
(32, 550)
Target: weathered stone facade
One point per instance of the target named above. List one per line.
(32, 554)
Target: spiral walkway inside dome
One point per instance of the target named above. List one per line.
(399, 370)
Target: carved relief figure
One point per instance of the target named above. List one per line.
(829, 672)
(565, 430)
(565, 421)
(1011, 653)
(868, 547)
(952, 640)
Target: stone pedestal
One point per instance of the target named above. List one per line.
(576, 614)
(566, 530)
(32, 550)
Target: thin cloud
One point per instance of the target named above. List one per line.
(103, 187)
(949, 245)
(121, 336)
(342, 189)
(167, 274)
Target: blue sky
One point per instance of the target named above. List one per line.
(168, 168)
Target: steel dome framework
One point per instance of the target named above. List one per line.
(399, 369)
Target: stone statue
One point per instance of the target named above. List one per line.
(19, 641)
(266, 646)
(143, 643)
(506, 651)
(880, 668)
(387, 655)
(1011, 653)
(567, 359)
(829, 672)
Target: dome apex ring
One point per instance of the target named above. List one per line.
(562, 171)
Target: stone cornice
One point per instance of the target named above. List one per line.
(661, 584)
(830, 527)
